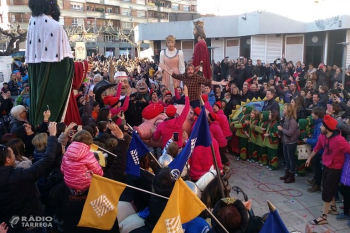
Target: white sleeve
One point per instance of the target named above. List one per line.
(181, 62)
(161, 59)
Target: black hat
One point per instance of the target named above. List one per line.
(101, 87)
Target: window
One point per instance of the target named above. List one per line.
(186, 8)
(187, 44)
(74, 21)
(110, 38)
(295, 40)
(126, 25)
(13, 18)
(126, 0)
(76, 7)
(175, 6)
(109, 10)
(87, 7)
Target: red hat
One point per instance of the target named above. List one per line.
(152, 110)
(170, 111)
(213, 116)
(151, 92)
(168, 93)
(329, 123)
(218, 104)
(197, 111)
(204, 98)
(111, 100)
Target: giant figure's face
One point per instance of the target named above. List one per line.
(125, 84)
(141, 86)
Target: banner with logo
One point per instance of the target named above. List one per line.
(80, 50)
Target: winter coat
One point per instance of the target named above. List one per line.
(223, 122)
(202, 159)
(345, 176)
(217, 133)
(290, 131)
(18, 193)
(73, 205)
(270, 105)
(76, 163)
(25, 163)
(315, 134)
(15, 125)
(335, 148)
(167, 128)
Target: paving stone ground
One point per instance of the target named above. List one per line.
(295, 205)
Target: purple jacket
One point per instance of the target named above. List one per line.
(345, 175)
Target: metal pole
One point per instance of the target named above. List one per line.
(215, 163)
(344, 65)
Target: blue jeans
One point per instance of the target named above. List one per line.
(289, 156)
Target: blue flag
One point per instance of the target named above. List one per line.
(137, 149)
(274, 224)
(200, 136)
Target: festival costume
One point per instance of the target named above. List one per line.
(252, 142)
(174, 60)
(304, 133)
(52, 74)
(242, 132)
(234, 144)
(262, 150)
(271, 143)
(311, 125)
(201, 54)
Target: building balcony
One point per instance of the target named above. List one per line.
(112, 2)
(74, 13)
(93, 14)
(194, 3)
(95, 1)
(165, 9)
(18, 9)
(133, 6)
(17, 2)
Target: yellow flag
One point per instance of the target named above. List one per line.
(182, 207)
(100, 209)
(93, 147)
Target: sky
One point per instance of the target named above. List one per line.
(301, 10)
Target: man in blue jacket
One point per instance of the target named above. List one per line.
(317, 115)
(211, 95)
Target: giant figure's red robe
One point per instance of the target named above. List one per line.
(201, 54)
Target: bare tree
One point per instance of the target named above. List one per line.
(127, 37)
(13, 37)
(78, 33)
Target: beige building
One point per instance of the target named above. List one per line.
(124, 14)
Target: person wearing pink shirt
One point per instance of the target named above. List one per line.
(223, 122)
(333, 158)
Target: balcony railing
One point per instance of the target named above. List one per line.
(19, 19)
(17, 2)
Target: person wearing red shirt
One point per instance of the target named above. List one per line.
(217, 133)
(173, 124)
(333, 158)
(223, 122)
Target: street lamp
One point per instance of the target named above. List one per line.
(345, 44)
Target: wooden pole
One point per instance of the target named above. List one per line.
(215, 163)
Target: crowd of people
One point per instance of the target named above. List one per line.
(54, 158)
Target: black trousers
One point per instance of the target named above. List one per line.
(317, 167)
(345, 191)
(224, 159)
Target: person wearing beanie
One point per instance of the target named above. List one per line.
(193, 81)
(219, 136)
(168, 99)
(333, 158)
(173, 124)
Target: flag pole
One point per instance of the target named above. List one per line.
(107, 151)
(215, 161)
(149, 152)
(154, 194)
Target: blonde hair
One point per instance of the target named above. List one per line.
(170, 38)
(290, 111)
(40, 141)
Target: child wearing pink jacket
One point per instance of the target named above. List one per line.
(79, 163)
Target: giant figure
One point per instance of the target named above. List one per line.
(174, 60)
(52, 74)
(200, 53)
